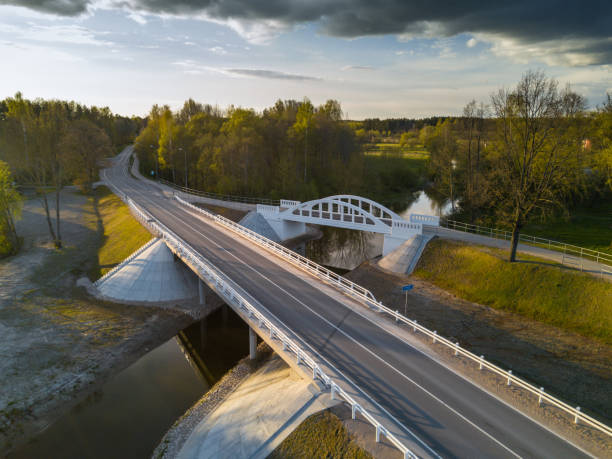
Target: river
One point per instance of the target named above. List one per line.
(128, 415)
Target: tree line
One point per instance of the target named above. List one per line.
(48, 144)
(292, 149)
(528, 152)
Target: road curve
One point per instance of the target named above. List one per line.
(452, 416)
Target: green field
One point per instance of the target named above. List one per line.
(377, 149)
(588, 226)
(532, 288)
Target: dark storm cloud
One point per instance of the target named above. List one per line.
(584, 22)
(61, 7)
(270, 74)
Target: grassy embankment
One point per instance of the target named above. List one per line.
(532, 288)
(320, 435)
(119, 232)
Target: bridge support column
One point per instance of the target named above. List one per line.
(201, 292)
(203, 330)
(252, 344)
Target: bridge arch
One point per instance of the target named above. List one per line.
(342, 211)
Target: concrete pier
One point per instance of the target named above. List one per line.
(153, 276)
(201, 294)
(252, 344)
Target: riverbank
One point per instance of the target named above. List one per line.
(57, 344)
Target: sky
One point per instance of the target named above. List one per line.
(389, 58)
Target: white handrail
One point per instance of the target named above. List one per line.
(369, 299)
(224, 286)
(602, 258)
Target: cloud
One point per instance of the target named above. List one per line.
(70, 34)
(357, 67)
(471, 42)
(271, 74)
(532, 29)
(218, 50)
(192, 67)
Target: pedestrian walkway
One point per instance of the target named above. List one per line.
(572, 262)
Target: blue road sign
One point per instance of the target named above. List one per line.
(405, 288)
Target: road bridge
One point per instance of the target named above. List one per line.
(344, 211)
(318, 323)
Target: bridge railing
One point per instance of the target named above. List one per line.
(265, 209)
(289, 203)
(225, 287)
(294, 258)
(221, 197)
(431, 220)
(366, 296)
(569, 251)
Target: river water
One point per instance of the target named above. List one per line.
(129, 415)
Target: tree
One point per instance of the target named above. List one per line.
(538, 148)
(602, 143)
(441, 142)
(83, 146)
(10, 210)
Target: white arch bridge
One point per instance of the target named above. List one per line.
(345, 211)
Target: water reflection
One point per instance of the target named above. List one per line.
(425, 203)
(128, 416)
(343, 248)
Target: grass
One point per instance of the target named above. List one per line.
(120, 233)
(320, 435)
(378, 149)
(589, 226)
(532, 288)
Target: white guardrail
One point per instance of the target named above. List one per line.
(366, 296)
(224, 287)
(569, 250)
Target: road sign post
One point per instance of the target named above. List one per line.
(406, 288)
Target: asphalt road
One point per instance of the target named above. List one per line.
(452, 416)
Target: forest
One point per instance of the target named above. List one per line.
(46, 145)
(292, 150)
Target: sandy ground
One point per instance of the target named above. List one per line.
(568, 365)
(57, 343)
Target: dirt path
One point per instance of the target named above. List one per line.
(56, 343)
(568, 365)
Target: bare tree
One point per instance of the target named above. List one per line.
(538, 145)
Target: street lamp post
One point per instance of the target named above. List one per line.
(186, 175)
(452, 197)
